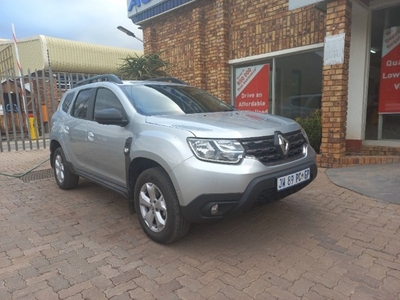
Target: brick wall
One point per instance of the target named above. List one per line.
(200, 38)
(335, 88)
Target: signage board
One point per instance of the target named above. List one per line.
(140, 11)
(293, 4)
(389, 90)
(137, 6)
(334, 49)
(252, 88)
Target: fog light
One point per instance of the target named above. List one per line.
(214, 209)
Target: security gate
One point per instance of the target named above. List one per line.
(27, 104)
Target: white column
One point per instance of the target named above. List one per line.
(358, 72)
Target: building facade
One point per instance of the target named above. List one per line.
(289, 58)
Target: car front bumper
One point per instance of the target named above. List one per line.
(234, 188)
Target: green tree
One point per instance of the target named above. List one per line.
(143, 67)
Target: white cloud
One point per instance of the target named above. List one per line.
(93, 21)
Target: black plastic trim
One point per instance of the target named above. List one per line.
(198, 210)
(105, 77)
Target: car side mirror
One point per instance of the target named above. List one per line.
(110, 116)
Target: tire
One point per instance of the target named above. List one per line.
(65, 179)
(157, 207)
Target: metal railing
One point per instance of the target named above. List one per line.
(27, 103)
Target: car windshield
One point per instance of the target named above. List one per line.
(172, 99)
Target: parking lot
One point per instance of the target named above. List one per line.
(325, 242)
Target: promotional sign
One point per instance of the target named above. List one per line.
(252, 88)
(389, 91)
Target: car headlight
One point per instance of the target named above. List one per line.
(305, 135)
(222, 151)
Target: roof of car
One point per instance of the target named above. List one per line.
(115, 79)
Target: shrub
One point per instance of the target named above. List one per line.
(312, 124)
(144, 67)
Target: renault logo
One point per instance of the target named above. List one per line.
(284, 144)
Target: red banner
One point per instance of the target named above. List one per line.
(389, 90)
(252, 88)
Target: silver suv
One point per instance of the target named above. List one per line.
(177, 153)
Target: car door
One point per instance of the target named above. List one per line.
(106, 143)
(75, 128)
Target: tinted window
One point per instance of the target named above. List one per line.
(171, 99)
(67, 102)
(106, 99)
(81, 104)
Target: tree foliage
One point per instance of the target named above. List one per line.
(142, 67)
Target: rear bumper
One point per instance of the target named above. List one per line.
(260, 190)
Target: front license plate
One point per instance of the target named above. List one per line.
(290, 180)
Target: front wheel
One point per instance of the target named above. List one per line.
(65, 179)
(157, 207)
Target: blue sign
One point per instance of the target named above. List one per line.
(141, 10)
(14, 106)
(137, 3)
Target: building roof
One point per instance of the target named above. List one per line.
(40, 52)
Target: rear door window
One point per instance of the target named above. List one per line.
(81, 104)
(67, 102)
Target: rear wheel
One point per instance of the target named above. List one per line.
(157, 207)
(65, 179)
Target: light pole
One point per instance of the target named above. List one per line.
(128, 32)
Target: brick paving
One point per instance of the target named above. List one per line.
(325, 242)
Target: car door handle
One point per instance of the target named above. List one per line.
(90, 136)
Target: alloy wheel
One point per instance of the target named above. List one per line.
(153, 208)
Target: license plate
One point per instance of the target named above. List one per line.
(290, 180)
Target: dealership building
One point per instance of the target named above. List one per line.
(290, 57)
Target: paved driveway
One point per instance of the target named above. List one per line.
(325, 242)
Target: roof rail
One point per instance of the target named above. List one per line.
(98, 78)
(168, 79)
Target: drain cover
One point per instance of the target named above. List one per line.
(37, 175)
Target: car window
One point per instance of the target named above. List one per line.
(67, 102)
(81, 104)
(107, 99)
(173, 99)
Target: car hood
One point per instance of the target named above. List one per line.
(233, 124)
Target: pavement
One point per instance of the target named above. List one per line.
(377, 181)
(339, 238)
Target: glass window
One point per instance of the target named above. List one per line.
(171, 99)
(383, 93)
(67, 102)
(298, 84)
(106, 99)
(81, 104)
(297, 89)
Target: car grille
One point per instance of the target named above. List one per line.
(268, 151)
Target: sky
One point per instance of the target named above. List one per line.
(91, 21)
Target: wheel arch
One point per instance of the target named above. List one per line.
(136, 167)
(54, 144)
